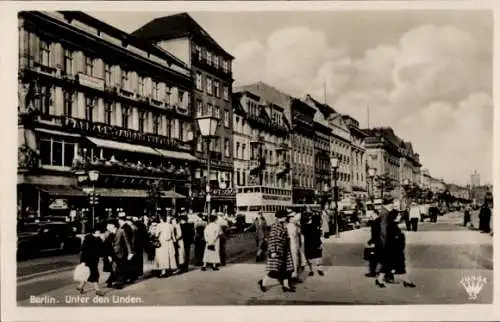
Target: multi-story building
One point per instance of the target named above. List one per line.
(438, 185)
(340, 147)
(262, 154)
(383, 154)
(92, 97)
(409, 164)
(212, 78)
(425, 179)
(323, 180)
(358, 158)
(303, 154)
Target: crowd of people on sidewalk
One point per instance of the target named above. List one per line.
(166, 240)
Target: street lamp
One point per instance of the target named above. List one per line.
(371, 174)
(334, 162)
(93, 177)
(208, 127)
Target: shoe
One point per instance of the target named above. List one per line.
(261, 285)
(381, 285)
(311, 273)
(215, 269)
(99, 293)
(296, 280)
(288, 289)
(409, 284)
(321, 273)
(203, 269)
(80, 289)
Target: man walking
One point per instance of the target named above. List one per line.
(414, 216)
(122, 248)
(484, 218)
(260, 225)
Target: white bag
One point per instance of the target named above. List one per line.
(81, 273)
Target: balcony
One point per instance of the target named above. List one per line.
(132, 173)
(283, 169)
(111, 132)
(157, 103)
(122, 92)
(259, 139)
(283, 147)
(256, 165)
(90, 81)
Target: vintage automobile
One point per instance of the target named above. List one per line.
(34, 238)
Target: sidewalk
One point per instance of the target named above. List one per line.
(237, 285)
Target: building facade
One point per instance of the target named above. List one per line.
(341, 148)
(92, 97)
(409, 164)
(262, 153)
(358, 158)
(425, 179)
(303, 152)
(211, 71)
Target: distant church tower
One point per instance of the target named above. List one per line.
(475, 179)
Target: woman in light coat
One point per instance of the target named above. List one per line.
(165, 260)
(212, 249)
(295, 235)
(178, 242)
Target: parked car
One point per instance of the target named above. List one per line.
(33, 238)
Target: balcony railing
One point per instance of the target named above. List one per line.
(284, 168)
(87, 127)
(171, 171)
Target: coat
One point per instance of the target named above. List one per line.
(90, 255)
(312, 238)
(212, 235)
(279, 260)
(389, 246)
(165, 254)
(122, 245)
(179, 243)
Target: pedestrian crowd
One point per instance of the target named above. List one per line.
(165, 240)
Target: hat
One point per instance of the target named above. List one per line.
(280, 214)
(122, 215)
(183, 209)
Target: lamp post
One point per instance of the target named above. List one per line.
(93, 177)
(334, 162)
(208, 127)
(371, 174)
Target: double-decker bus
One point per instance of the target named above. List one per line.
(250, 200)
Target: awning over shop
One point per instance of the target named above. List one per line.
(170, 194)
(121, 193)
(62, 191)
(123, 146)
(54, 132)
(176, 155)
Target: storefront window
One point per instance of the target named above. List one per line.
(57, 152)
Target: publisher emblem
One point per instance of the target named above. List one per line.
(473, 285)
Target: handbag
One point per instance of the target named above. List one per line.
(156, 243)
(81, 273)
(369, 254)
(211, 247)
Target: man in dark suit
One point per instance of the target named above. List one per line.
(122, 247)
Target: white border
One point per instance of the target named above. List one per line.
(8, 110)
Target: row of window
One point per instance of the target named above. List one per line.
(303, 158)
(172, 128)
(215, 146)
(58, 153)
(212, 86)
(212, 58)
(213, 110)
(267, 179)
(94, 67)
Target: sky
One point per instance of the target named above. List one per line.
(425, 73)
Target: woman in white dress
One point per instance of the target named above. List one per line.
(295, 235)
(165, 254)
(212, 249)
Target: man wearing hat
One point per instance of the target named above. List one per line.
(222, 222)
(279, 260)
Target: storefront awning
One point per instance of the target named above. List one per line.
(54, 132)
(123, 146)
(62, 191)
(121, 193)
(176, 155)
(170, 194)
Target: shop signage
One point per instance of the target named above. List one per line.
(59, 204)
(90, 81)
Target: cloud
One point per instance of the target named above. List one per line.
(433, 85)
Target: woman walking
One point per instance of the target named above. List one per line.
(199, 240)
(165, 261)
(312, 243)
(90, 255)
(295, 235)
(212, 249)
(279, 261)
(179, 244)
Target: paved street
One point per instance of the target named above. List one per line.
(438, 256)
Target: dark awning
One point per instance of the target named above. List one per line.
(63, 191)
(123, 146)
